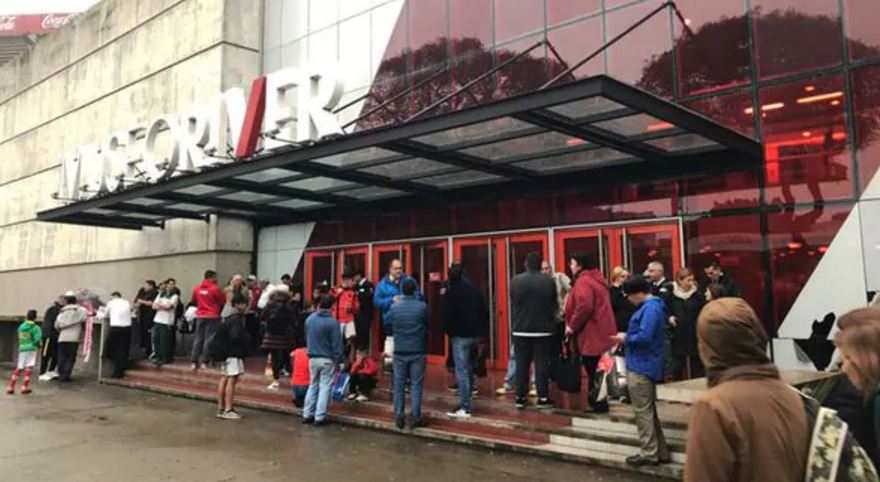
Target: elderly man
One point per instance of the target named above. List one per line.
(656, 275)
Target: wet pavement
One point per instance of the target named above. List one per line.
(93, 433)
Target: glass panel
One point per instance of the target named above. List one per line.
(716, 56)
(106, 212)
(407, 168)
(648, 200)
(272, 25)
(866, 99)
(734, 111)
(298, 204)
(190, 207)
(589, 246)
(805, 141)
(517, 17)
(798, 239)
(459, 179)
(321, 271)
(432, 221)
(324, 45)
(319, 184)
(372, 192)
(475, 217)
(388, 50)
(145, 201)
(386, 256)
(635, 125)
(573, 161)
(573, 43)
(354, 52)
(393, 225)
(294, 21)
(526, 74)
(861, 29)
(354, 263)
(642, 57)
(794, 36)
(141, 216)
(361, 155)
(586, 107)
(586, 206)
(432, 280)
(325, 233)
(562, 10)
(683, 142)
(735, 242)
(248, 196)
(427, 32)
(518, 252)
(322, 13)
(475, 261)
(199, 190)
(644, 248)
(470, 20)
(524, 212)
(267, 175)
(524, 146)
(474, 132)
(727, 190)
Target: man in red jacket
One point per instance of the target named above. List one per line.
(209, 300)
(588, 316)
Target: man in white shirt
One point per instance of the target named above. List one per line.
(163, 323)
(118, 312)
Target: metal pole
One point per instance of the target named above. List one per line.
(492, 299)
(602, 266)
(395, 98)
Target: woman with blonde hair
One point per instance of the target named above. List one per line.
(621, 306)
(685, 304)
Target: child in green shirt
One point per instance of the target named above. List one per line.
(29, 334)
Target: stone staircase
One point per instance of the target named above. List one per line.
(604, 440)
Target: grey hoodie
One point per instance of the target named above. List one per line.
(70, 322)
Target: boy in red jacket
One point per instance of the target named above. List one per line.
(301, 377)
(364, 373)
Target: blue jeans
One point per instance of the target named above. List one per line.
(322, 371)
(409, 366)
(462, 348)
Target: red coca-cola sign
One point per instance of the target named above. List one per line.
(17, 25)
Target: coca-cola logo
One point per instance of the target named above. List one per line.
(52, 21)
(7, 23)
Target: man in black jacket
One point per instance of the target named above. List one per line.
(533, 307)
(49, 358)
(465, 321)
(363, 319)
(656, 275)
(716, 275)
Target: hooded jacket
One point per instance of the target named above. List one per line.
(750, 426)
(70, 323)
(209, 299)
(588, 313)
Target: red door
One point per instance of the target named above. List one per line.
(320, 267)
(383, 255)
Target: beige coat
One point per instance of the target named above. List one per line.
(70, 323)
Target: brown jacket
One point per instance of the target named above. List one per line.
(747, 431)
(750, 426)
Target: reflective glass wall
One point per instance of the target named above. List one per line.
(801, 76)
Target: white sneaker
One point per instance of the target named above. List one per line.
(45, 377)
(459, 413)
(352, 396)
(231, 415)
(274, 386)
(362, 398)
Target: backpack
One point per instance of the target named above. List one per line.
(218, 344)
(834, 454)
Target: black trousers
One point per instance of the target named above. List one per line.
(678, 364)
(591, 364)
(49, 361)
(363, 324)
(163, 339)
(538, 349)
(144, 326)
(118, 346)
(362, 384)
(280, 361)
(66, 359)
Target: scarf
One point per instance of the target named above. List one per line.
(732, 342)
(678, 292)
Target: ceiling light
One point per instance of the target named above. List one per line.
(820, 97)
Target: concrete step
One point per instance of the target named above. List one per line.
(472, 432)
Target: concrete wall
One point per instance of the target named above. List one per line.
(118, 65)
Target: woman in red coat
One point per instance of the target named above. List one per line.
(588, 316)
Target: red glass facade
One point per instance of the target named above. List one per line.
(801, 76)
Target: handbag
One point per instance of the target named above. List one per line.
(598, 394)
(340, 386)
(567, 371)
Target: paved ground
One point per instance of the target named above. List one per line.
(86, 432)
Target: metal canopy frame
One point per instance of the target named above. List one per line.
(595, 125)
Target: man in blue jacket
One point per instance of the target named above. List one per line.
(644, 340)
(389, 291)
(324, 342)
(409, 321)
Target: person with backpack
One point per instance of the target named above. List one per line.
(280, 336)
(229, 347)
(750, 425)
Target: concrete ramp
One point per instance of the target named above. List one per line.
(814, 383)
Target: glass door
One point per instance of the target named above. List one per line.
(320, 267)
(352, 259)
(429, 263)
(644, 244)
(594, 243)
(383, 255)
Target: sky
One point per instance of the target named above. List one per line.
(23, 7)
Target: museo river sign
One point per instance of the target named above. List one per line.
(292, 104)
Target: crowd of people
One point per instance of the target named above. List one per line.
(749, 425)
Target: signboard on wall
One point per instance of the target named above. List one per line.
(20, 25)
(292, 105)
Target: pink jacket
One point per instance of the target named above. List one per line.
(588, 313)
